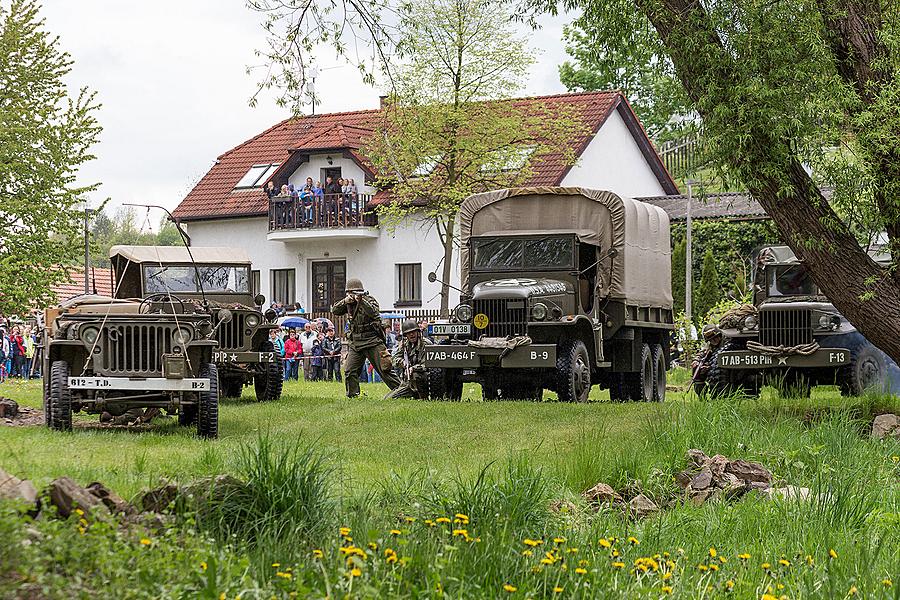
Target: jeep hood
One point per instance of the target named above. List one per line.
(520, 287)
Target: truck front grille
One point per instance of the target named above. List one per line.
(785, 327)
(231, 335)
(503, 321)
(134, 350)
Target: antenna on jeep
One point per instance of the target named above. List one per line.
(185, 240)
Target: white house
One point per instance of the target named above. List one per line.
(299, 256)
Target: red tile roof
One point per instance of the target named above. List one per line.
(215, 197)
(100, 277)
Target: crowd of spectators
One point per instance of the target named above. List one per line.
(336, 203)
(18, 348)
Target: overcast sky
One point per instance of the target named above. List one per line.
(171, 76)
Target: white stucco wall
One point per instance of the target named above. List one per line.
(613, 161)
(372, 260)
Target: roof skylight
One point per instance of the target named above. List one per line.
(257, 175)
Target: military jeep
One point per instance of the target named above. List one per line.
(215, 281)
(109, 355)
(562, 289)
(794, 339)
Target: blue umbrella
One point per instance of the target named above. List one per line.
(392, 315)
(292, 322)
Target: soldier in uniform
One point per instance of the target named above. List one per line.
(366, 337)
(702, 363)
(408, 361)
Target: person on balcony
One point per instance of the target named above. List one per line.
(271, 192)
(306, 201)
(332, 199)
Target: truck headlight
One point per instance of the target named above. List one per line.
(539, 311)
(829, 322)
(463, 313)
(751, 322)
(89, 335)
(183, 336)
(252, 320)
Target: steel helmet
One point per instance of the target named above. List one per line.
(710, 331)
(354, 285)
(408, 326)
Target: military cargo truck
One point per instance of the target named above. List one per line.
(108, 355)
(794, 339)
(562, 289)
(216, 281)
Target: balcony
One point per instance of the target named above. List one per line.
(333, 216)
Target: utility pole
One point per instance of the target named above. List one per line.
(87, 250)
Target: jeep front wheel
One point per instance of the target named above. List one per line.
(208, 404)
(573, 372)
(59, 397)
(269, 383)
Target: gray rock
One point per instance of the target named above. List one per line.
(158, 499)
(702, 480)
(602, 493)
(698, 458)
(563, 507)
(717, 466)
(640, 506)
(886, 425)
(790, 492)
(749, 471)
(698, 498)
(684, 478)
(13, 488)
(66, 496)
(110, 499)
(9, 408)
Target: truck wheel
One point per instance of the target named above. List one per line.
(208, 404)
(639, 387)
(721, 382)
(659, 373)
(573, 372)
(444, 384)
(231, 387)
(269, 383)
(522, 389)
(617, 390)
(490, 391)
(866, 370)
(59, 397)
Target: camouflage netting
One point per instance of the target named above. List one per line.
(734, 318)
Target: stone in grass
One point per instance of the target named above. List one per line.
(640, 506)
(790, 492)
(749, 471)
(110, 499)
(886, 425)
(13, 488)
(8, 408)
(601, 493)
(66, 496)
(563, 507)
(702, 480)
(158, 499)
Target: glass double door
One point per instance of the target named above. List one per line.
(329, 280)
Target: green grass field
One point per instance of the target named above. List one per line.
(388, 470)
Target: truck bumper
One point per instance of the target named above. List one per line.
(225, 357)
(149, 384)
(537, 356)
(745, 359)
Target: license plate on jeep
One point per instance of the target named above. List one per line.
(149, 384)
(450, 329)
(223, 356)
(448, 356)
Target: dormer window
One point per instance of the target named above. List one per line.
(257, 176)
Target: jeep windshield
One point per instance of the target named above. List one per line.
(523, 254)
(183, 278)
(790, 280)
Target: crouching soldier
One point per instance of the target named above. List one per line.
(408, 360)
(366, 337)
(703, 362)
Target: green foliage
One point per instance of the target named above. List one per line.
(45, 136)
(709, 292)
(679, 256)
(640, 69)
(124, 228)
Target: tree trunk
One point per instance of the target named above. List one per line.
(862, 290)
(447, 271)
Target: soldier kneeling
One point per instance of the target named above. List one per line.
(408, 360)
(703, 362)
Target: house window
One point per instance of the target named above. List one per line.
(254, 283)
(283, 288)
(409, 285)
(257, 175)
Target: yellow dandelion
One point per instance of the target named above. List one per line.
(713, 567)
(391, 559)
(79, 512)
(410, 519)
(547, 561)
(317, 553)
(887, 582)
(571, 550)
(276, 565)
(605, 543)
(527, 552)
(429, 522)
(784, 562)
(583, 563)
(702, 567)
(633, 541)
(667, 576)
(832, 554)
(460, 533)
(145, 542)
(618, 565)
(729, 585)
(355, 572)
(852, 591)
(559, 540)
(82, 530)
(712, 552)
(532, 543)
(373, 546)
(222, 596)
(203, 565)
(666, 589)
(809, 560)
(558, 590)
(615, 554)
(744, 556)
(581, 570)
(766, 566)
(509, 588)
(345, 531)
(396, 532)
(442, 520)
(283, 575)
(768, 597)
(895, 459)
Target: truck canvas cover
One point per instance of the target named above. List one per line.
(179, 254)
(642, 268)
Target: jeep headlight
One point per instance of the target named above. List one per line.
(252, 320)
(829, 322)
(539, 311)
(463, 313)
(183, 336)
(751, 322)
(89, 335)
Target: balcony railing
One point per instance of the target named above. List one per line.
(330, 211)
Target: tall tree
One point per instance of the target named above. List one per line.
(445, 132)
(45, 136)
(709, 292)
(679, 257)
